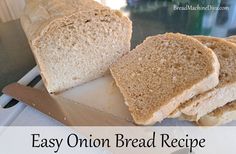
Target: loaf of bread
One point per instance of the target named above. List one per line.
(225, 91)
(221, 115)
(74, 41)
(162, 72)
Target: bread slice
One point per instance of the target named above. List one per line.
(224, 92)
(221, 115)
(74, 41)
(162, 72)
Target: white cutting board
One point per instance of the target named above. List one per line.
(101, 93)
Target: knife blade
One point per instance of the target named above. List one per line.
(66, 111)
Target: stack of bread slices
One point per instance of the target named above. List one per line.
(178, 76)
(168, 75)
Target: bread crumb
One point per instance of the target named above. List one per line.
(165, 44)
(133, 75)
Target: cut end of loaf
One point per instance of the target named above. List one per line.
(163, 72)
(80, 47)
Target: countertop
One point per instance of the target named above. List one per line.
(149, 18)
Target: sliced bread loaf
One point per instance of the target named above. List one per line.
(220, 116)
(74, 41)
(162, 72)
(226, 89)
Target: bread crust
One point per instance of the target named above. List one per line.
(231, 39)
(38, 14)
(220, 116)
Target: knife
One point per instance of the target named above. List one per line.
(66, 111)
